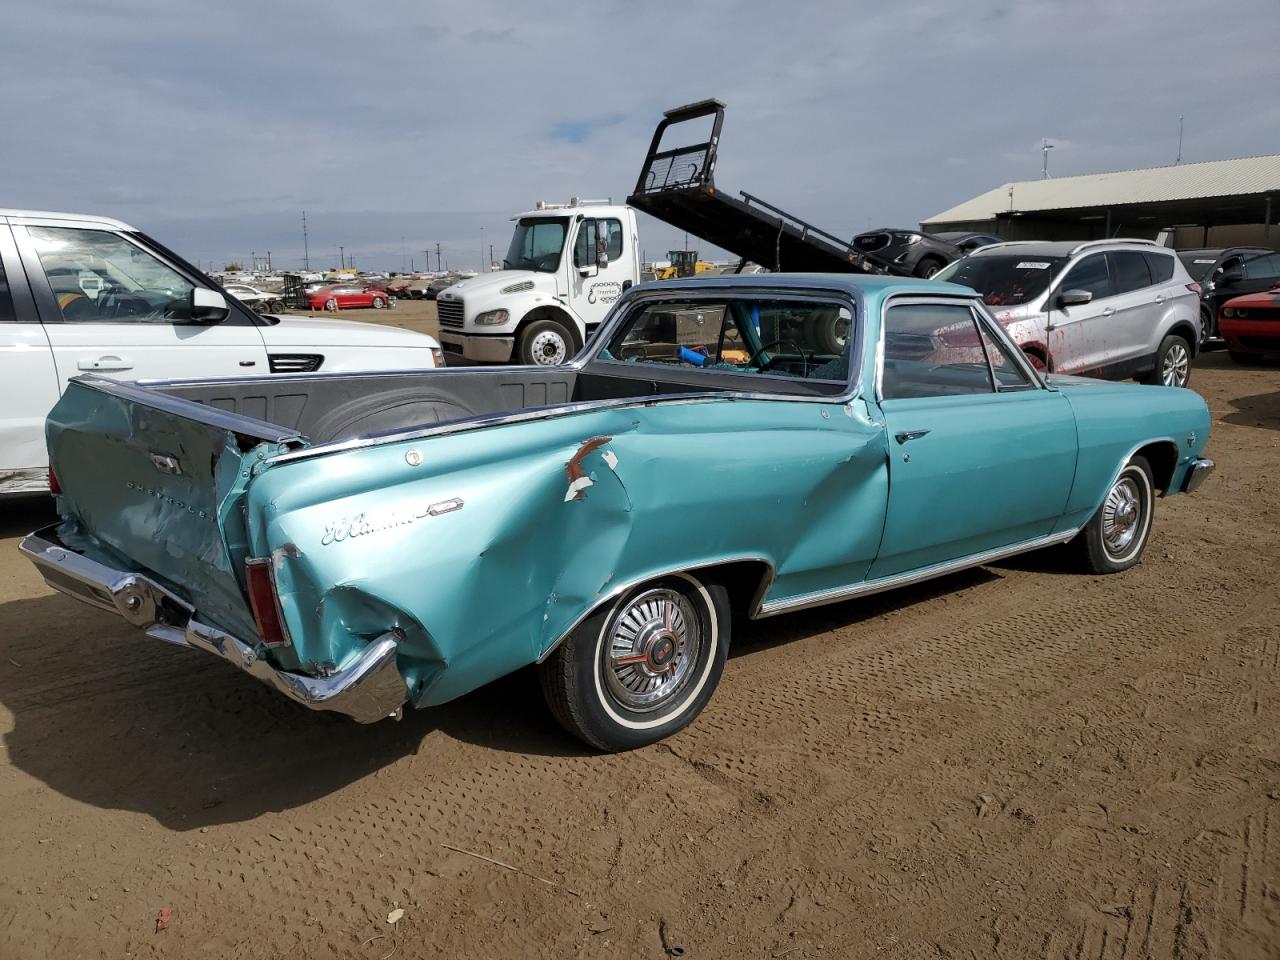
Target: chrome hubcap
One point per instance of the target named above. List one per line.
(1177, 364)
(653, 644)
(1121, 516)
(549, 348)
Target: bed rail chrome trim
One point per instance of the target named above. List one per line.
(367, 689)
(821, 597)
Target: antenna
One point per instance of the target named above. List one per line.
(1045, 147)
(306, 252)
(1178, 159)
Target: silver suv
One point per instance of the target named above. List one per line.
(1106, 308)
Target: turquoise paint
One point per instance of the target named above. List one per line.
(802, 489)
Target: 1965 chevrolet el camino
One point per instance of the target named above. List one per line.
(722, 448)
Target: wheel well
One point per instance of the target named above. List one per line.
(1163, 457)
(1038, 351)
(746, 581)
(1187, 333)
(551, 313)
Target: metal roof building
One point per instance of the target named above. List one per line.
(1195, 196)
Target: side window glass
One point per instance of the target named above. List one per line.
(933, 350)
(611, 238)
(1161, 267)
(1008, 375)
(1261, 268)
(584, 249)
(1129, 271)
(6, 299)
(100, 277)
(1090, 274)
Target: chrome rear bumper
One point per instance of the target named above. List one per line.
(1197, 473)
(369, 688)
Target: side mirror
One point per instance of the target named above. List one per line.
(208, 306)
(1230, 278)
(602, 258)
(1074, 298)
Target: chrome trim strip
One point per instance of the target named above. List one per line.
(1200, 469)
(819, 598)
(367, 689)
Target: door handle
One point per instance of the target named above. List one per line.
(904, 435)
(1108, 312)
(109, 362)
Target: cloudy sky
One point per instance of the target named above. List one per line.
(397, 124)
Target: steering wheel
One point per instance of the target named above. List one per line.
(804, 358)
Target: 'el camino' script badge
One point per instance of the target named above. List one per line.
(363, 524)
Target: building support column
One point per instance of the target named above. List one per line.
(1106, 230)
(1266, 220)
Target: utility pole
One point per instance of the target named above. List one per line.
(342, 257)
(1179, 157)
(480, 265)
(491, 256)
(1045, 147)
(437, 258)
(306, 251)
(427, 253)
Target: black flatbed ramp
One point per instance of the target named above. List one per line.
(677, 185)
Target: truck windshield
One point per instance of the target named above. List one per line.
(1005, 279)
(536, 244)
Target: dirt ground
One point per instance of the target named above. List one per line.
(1014, 762)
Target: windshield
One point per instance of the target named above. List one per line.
(536, 244)
(1197, 264)
(1004, 279)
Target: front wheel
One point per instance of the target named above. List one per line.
(1115, 536)
(331, 305)
(545, 343)
(1173, 363)
(642, 668)
(378, 303)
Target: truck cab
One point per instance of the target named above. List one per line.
(566, 266)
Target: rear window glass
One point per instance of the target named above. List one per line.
(1004, 279)
(1131, 271)
(1197, 264)
(1161, 266)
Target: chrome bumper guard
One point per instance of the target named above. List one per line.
(1197, 474)
(370, 688)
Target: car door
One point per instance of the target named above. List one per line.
(594, 288)
(981, 453)
(1137, 308)
(110, 305)
(28, 379)
(1080, 337)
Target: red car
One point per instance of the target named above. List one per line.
(1251, 326)
(344, 296)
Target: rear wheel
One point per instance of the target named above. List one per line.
(378, 303)
(1115, 536)
(1173, 363)
(641, 669)
(545, 343)
(1208, 329)
(331, 305)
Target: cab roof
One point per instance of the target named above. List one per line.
(109, 222)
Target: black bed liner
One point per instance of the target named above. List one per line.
(677, 185)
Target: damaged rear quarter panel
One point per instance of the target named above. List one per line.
(557, 516)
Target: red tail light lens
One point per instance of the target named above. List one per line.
(262, 600)
(1194, 288)
(53, 484)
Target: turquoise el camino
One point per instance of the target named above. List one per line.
(719, 449)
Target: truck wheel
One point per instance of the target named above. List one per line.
(928, 266)
(830, 332)
(1115, 536)
(1173, 363)
(642, 668)
(545, 343)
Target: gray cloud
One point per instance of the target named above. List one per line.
(214, 125)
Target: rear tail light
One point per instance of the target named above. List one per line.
(1194, 288)
(260, 578)
(54, 488)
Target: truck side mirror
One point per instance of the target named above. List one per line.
(1074, 298)
(602, 257)
(208, 306)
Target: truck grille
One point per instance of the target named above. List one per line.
(295, 362)
(869, 242)
(450, 312)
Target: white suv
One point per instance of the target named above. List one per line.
(84, 294)
(1106, 308)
